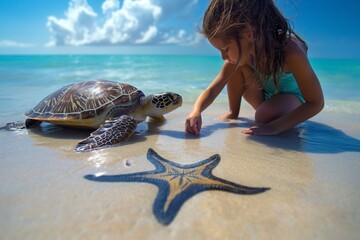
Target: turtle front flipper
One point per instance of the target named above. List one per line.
(112, 133)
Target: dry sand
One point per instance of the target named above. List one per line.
(313, 173)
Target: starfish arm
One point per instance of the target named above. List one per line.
(163, 215)
(215, 183)
(210, 164)
(157, 160)
(166, 214)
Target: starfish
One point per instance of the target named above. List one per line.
(177, 183)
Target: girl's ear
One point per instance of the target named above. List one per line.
(248, 33)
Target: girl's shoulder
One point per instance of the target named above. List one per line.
(295, 45)
(295, 51)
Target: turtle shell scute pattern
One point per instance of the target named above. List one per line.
(85, 100)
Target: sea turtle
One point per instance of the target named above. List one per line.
(113, 108)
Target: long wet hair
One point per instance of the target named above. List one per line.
(230, 19)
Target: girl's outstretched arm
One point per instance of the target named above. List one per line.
(193, 122)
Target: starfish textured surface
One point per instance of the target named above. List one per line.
(177, 183)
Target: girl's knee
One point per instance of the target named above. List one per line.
(259, 118)
(276, 107)
(264, 115)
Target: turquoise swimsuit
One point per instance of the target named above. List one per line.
(287, 83)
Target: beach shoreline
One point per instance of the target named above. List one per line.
(313, 181)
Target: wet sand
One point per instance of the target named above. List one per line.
(312, 172)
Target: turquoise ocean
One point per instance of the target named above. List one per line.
(27, 79)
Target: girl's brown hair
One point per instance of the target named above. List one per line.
(229, 19)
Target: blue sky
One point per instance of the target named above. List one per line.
(331, 27)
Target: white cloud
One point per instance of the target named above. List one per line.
(175, 39)
(8, 43)
(77, 28)
(182, 38)
(135, 22)
(110, 5)
(148, 35)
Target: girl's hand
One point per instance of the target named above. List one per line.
(260, 130)
(193, 124)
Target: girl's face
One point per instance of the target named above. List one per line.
(230, 51)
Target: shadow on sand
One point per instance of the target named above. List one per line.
(310, 136)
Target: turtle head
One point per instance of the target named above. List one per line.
(161, 103)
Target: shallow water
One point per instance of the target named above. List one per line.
(26, 80)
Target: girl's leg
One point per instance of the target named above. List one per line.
(240, 86)
(254, 94)
(235, 89)
(276, 107)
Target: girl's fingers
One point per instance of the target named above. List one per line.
(248, 131)
(193, 126)
(188, 128)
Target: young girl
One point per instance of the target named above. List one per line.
(265, 62)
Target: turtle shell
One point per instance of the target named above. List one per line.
(87, 104)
